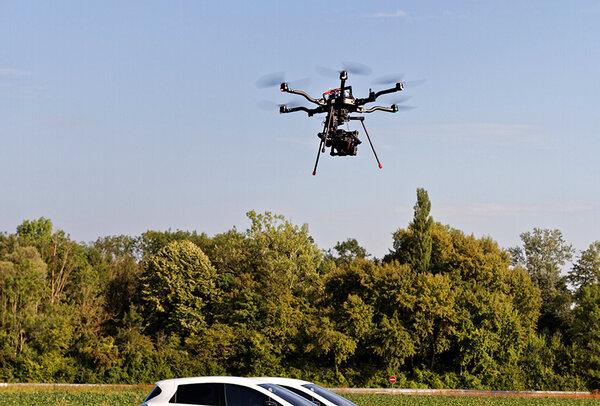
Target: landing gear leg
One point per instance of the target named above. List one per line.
(362, 121)
(323, 141)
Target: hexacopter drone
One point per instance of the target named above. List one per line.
(339, 104)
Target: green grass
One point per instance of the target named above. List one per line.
(113, 396)
(413, 400)
(61, 396)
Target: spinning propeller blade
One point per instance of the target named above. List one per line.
(277, 78)
(269, 105)
(328, 72)
(270, 80)
(388, 79)
(396, 77)
(354, 68)
(398, 102)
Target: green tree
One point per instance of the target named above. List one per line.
(22, 289)
(347, 251)
(421, 230)
(585, 331)
(62, 255)
(543, 254)
(282, 252)
(435, 315)
(176, 284)
(269, 277)
(414, 246)
(151, 242)
(329, 340)
(36, 233)
(586, 271)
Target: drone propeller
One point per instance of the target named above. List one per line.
(277, 78)
(397, 101)
(396, 77)
(388, 79)
(354, 68)
(403, 108)
(270, 105)
(270, 80)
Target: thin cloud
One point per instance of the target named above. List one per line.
(496, 133)
(478, 210)
(13, 72)
(469, 212)
(63, 122)
(300, 141)
(12, 91)
(396, 14)
(591, 10)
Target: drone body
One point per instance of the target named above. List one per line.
(338, 104)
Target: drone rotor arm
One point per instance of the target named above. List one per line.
(399, 87)
(392, 109)
(284, 88)
(374, 95)
(284, 109)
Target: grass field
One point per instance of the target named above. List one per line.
(73, 396)
(133, 396)
(405, 400)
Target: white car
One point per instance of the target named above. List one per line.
(221, 391)
(310, 391)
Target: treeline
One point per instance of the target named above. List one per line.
(442, 309)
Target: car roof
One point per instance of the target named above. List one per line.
(170, 385)
(282, 381)
(210, 379)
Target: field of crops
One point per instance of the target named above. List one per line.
(406, 400)
(104, 396)
(31, 396)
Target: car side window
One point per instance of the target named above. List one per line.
(155, 392)
(237, 395)
(300, 393)
(206, 394)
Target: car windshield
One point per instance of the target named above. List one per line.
(287, 395)
(329, 395)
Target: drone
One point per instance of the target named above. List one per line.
(338, 104)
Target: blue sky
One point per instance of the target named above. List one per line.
(119, 117)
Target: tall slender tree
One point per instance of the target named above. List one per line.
(420, 228)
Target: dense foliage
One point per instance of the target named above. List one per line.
(442, 309)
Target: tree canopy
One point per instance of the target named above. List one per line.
(442, 309)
